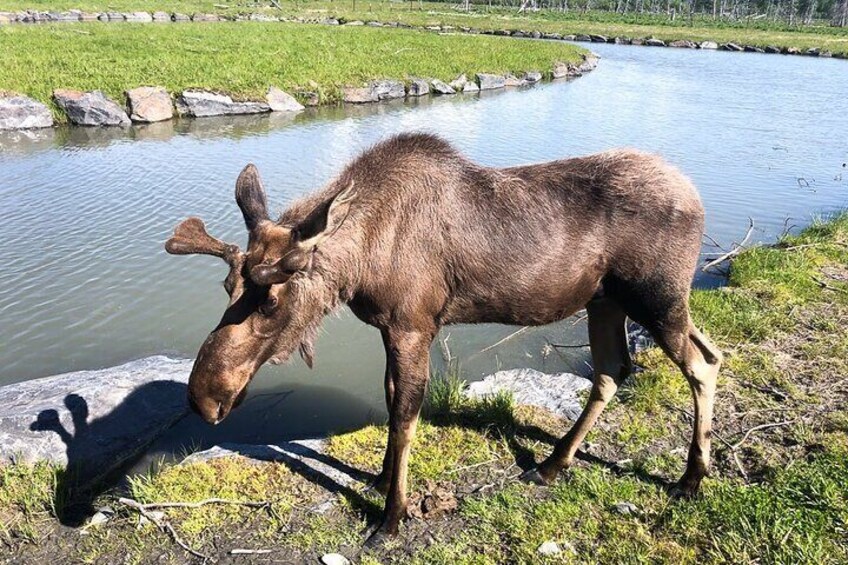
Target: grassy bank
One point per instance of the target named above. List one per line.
(759, 33)
(777, 495)
(244, 61)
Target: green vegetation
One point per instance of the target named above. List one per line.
(244, 62)
(777, 495)
(759, 32)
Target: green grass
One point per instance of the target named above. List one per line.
(747, 32)
(244, 59)
(27, 499)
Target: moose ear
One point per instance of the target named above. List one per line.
(326, 219)
(250, 196)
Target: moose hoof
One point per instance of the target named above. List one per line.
(685, 488)
(534, 477)
(378, 486)
(376, 538)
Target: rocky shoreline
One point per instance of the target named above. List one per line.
(150, 104)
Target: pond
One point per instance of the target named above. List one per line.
(86, 282)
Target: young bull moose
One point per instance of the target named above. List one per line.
(412, 236)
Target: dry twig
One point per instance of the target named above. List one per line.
(733, 252)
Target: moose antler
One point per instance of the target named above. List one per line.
(190, 236)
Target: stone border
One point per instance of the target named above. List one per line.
(148, 104)
(72, 16)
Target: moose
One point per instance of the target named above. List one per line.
(413, 236)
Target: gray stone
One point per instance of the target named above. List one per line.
(533, 76)
(138, 17)
(21, 112)
(825, 54)
(554, 392)
(89, 17)
(625, 508)
(389, 89)
(536, 35)
(90, 108)
(772, 49)
(598, 38)
(731, 47)
(708, 45)
(582, 37)
(471, 87)
(180, 18)
(637, 41)
(512, 80)
(792, 51)
(622, 41)
(683, 44)
(418, 87)
(161, 17)
(205, 18)
(6, 18)
(149, 104)
(459, 83)
(281, 101)
(201, 104)
(653, 42)
(548, 548)
(92, 421)
(440, 87)
(309, 97)
(115, 17)
(262, 18)
(754, 49)
(552, 36)
(334, 559)
(590, 61)
(355, 23)
(330, 22)
(490, 82)
(359, 94)
(812, 52)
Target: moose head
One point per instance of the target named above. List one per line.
(270, 312)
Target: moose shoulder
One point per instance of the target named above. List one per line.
(413, 236)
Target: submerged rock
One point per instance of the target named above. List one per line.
(90, 108)
(22, 112)
(149, 104)
(200, 104)
(92, 421)
(555, 392)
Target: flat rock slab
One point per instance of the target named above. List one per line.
(200, 104)
(90, 108)
(92, 421)
(490, 82)
(149, 104)
(21, 112)
(555, 392)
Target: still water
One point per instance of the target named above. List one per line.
(86, 283)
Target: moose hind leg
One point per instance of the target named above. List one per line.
(611, 358)
(699, 361)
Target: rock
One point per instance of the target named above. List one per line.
(6, 18)
(622, 41)
(418, 87)
(569, 37)
(470, 87)
(309, 97)
(180, 18)
(281, 101)
(92, 421)
(389, 89)
(149, 104)
(812, 52)
(380, 24)
(115, 17)
(459, 83)
(334, 559)
(206, 18)
(548, 548)
(731, 47)
(490, 82)
(97, 519)
(552, 36)
(512, 80)
(598, 38)
(582, 37)
(200, 104)
(683, 44)
(532, 77)
(138, 17)
(536, 35)
(825, 54)
(772, 49)
(625, 508)
(708, 45)
(637, 41)
(562, 70)
(792, 51)
(262, 18)
(590, 61)
(90, 108)
(556, 392)
(358, 94)
(355, 23)
(161, 17)
(21, 112)
(652, 42)
(754, 49)
(440, 87)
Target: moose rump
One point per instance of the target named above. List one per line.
(413, 236)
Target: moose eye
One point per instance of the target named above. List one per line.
(268, 308)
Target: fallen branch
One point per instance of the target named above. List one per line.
(824, 284)
(567, 346)
(163, 525)
(154, 505)
(758, 428)
(733, 252)
(504, 340)
(249, 551)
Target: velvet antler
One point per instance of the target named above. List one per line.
(190, 236)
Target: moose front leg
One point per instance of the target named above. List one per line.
(383, 480)
(409, 357)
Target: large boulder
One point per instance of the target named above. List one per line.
(359, 94)
(201, 104)
(653, 42)
(418, 87)
(92, 421)
(441, 87)
(90, 108)
(490, 82)
(21, 112)
(149, 104)
(708, 45)
(138, 17)
(389, 89)
(555, 392)
(281, 101)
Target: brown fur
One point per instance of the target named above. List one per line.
(413, 236)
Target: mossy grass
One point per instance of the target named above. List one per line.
(244, 59)
(777, 493)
